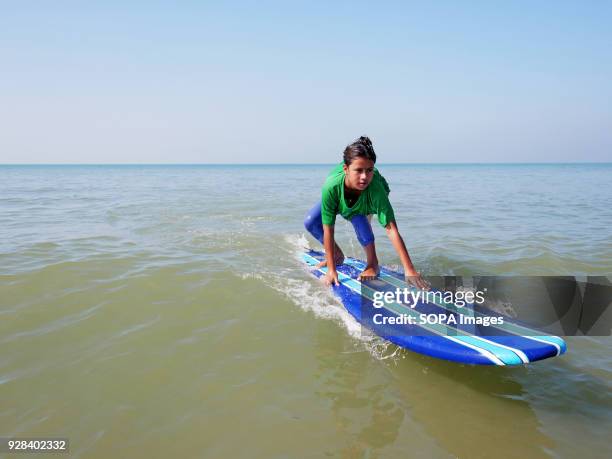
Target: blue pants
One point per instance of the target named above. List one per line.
(314, 225)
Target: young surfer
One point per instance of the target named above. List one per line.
(356, 190)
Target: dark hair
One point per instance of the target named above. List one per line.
(360, 148)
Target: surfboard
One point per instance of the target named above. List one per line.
(459, 339)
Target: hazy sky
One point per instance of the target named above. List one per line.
(294, 82)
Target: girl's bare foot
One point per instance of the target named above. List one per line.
(370, 272)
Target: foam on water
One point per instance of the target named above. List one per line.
(311, 295)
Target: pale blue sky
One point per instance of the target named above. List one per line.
(294, 82)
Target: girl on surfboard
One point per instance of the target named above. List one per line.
(356, 190)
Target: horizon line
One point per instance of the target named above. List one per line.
(313, 164)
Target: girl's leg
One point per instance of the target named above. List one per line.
(314, 225)
(365, 236)
(363, 229)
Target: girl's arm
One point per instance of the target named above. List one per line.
(412, 276)
(328, 243)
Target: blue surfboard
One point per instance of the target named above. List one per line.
(510, 343)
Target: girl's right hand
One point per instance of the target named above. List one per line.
(331, 278)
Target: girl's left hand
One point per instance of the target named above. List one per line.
(417, 280)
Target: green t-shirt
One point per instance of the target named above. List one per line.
(373, 200)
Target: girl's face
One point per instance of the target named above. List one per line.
(359, 174)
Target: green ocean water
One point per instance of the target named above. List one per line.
(161, 311)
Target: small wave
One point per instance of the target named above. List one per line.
(312, 296)
(52, 327)
(137, 327)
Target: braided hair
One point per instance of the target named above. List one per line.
(360, 148)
